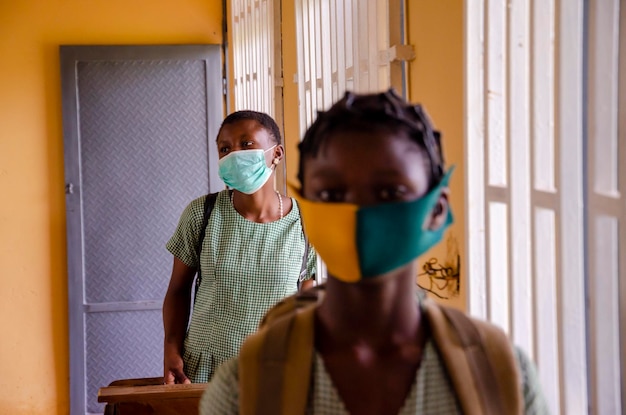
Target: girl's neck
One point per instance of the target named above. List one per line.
(377, 313)
(265, 205)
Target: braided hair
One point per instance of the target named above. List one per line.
(262, 118)
(386, 110)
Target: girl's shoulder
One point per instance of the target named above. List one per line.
(295, 209)
(194, 211)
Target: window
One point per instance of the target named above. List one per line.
(256, 59)
(545, 206)
(347, 45)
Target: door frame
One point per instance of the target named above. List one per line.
(70, 55)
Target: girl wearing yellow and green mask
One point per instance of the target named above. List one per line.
(373, 196)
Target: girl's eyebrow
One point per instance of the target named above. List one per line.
(246, 136)
(388, 171)
(325, 173)
(243, 136)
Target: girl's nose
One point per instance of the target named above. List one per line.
(360, 197)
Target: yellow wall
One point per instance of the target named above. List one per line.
(33, 275)
(33, 310)
(435, 29)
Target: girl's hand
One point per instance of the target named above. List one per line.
(173, 369)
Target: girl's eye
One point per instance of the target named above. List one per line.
(330, 196)
(224, 150)
(247, 144)
(391, 194)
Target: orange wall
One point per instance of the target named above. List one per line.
(435, 29)
(33, 287)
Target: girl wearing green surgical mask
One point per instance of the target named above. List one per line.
(374, 197)
(254, 253)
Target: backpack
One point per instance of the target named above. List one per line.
(209, 204)
(275, 362)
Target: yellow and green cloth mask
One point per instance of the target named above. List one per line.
(361, 242)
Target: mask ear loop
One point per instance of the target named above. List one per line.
(276, 159)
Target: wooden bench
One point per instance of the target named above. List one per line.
(148, 396)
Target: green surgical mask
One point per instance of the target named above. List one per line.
(245, 170)
(361, 242)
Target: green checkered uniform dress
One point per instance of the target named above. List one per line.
(247, 267)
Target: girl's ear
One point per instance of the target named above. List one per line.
(439, 214)
(279, 154)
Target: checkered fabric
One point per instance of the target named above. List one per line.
(246, 266)
(431, 392)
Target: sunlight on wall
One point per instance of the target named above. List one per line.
(435, 29)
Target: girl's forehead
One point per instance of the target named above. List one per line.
(243, 124)
(242, 129)
(382, 139)
(367, 161)
(367, 150)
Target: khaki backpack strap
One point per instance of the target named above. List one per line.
(479, 351)
(250, 372)
(275, 363)
(498, 349)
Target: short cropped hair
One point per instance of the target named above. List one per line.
(365, 112)
(262, 118)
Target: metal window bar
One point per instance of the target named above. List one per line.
(343, 45)
(255, 56)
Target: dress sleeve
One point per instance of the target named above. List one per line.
(183, 244)
(534, 400)
(311, 264)
(221, 397)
